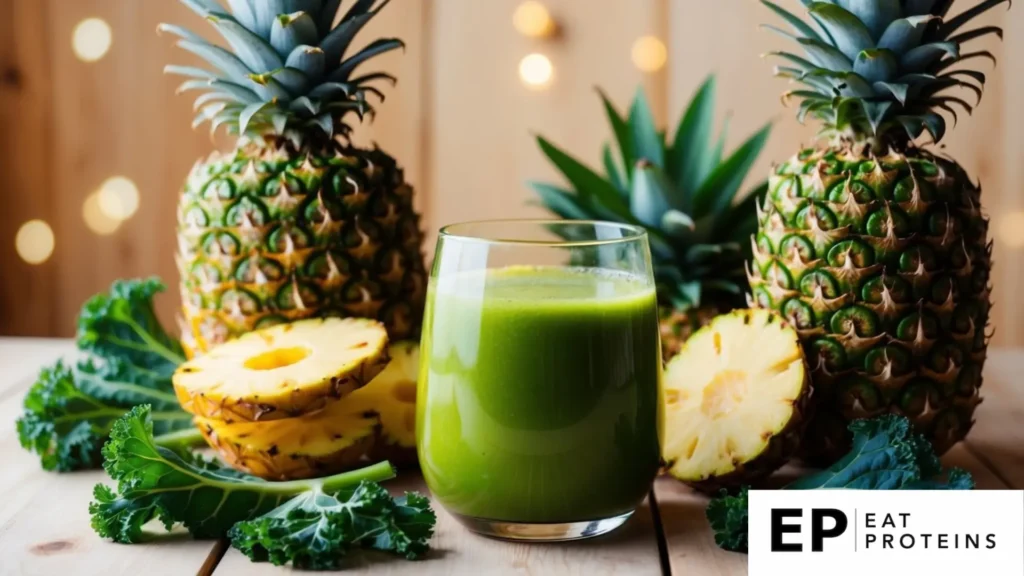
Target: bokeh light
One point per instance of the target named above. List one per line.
(532, 19)
(649, 53)
(536, 71)
(119, 198)
(96, 219)
(34, 242)
(91, 39)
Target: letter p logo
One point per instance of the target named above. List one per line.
(819, 532)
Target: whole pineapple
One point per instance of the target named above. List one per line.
(295, 222)
(682, 192)
(875, 249)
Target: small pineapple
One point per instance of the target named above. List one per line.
(294, 223)
(873, 248)
(736, 401)
(682, 192)
(283, 371)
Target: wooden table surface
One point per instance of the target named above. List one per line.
(44, 522)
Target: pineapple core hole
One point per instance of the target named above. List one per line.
(725, 392)
(405, 391)
(277, 358)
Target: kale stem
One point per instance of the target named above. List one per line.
(379, 472)
(181, 439)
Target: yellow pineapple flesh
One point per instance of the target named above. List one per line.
(735, 399)
(283, 371)
(392, 396)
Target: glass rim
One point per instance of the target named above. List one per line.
(636, 232)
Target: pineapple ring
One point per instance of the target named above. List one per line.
(327, 442)
(392, 395)
(283, 371)
(734, 401)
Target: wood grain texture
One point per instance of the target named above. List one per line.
(44, 517)
(44, 523)
(997, 437)
(21, 359)
(631, 550)
(688, 538)
(26, 180)
(67, 126)
(460, 121)
(483, 117)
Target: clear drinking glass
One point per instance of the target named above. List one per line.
(538, 397)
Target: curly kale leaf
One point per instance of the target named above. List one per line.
(728, 518)
(123, 325)
(70, 411)
(156, 483)
(886, 455)
(315, 531)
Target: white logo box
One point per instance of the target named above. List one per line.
(901, 532)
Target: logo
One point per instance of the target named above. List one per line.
(818, 530)
(858, 532)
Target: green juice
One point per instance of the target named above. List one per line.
(538, 396)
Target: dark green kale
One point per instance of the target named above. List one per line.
(886, 455)
(154, 482)
(123, 325)
(71, 409)
(316, 530)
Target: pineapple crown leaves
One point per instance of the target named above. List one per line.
(681, 191)
(289, 71)
(882, 69)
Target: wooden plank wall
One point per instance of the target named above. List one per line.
(460, 121)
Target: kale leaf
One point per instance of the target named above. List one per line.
(130, 358)
(886, 455)
(728, 518)
(155, 483)
(123, 325)
(70, 411)
(316, 530)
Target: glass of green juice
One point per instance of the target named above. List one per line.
(538, 413)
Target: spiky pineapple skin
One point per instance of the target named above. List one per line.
(274, 233)
(882, 264)
(678, 325)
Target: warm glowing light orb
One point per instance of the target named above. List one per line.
(532, 19)
(119, 198)
(98, 221)
(1011, 229)
(649, 53)
(34, 242)
(91, 39)
(536, 71)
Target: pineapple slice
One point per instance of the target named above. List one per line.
(735, 400)
(284, 371)
(327, 442)
(392, 395)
